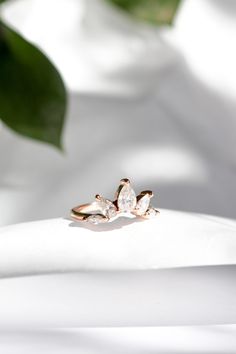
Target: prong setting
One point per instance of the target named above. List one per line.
(124, 181)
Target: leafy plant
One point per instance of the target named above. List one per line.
(32, 93)
(157, 12)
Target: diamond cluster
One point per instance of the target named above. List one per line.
(126, 201)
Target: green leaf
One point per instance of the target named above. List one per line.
(32, 93)
(158, 12)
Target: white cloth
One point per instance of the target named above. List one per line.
(171, 240)
(177, 269)
(168, 340)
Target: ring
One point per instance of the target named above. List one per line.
(105, 210)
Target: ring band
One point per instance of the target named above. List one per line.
(104, 210)
(85, 212)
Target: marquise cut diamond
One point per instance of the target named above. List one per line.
(95, 219)
(143, 204)
(151, 212)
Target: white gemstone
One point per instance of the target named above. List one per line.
(143, 204)
(127, 198)
(151, 212)
(107, 208)
(111, 209)
(95, 219)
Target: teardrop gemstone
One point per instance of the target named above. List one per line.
(143, 204)
(126, 199)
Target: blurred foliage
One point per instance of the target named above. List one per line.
(158, 12)
(32, 93)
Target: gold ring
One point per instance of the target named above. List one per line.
(104, 210)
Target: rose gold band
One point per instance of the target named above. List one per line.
(85, 211)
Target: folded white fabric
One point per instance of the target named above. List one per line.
(176, 269)
(166, 340)
(172, 239)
